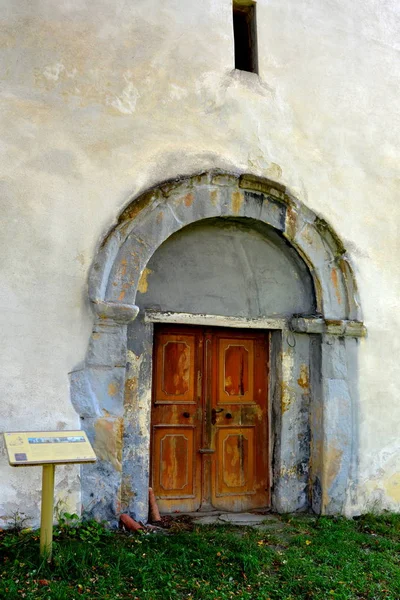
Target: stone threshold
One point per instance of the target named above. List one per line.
(249, 519)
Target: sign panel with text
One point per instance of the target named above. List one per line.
(27, 448)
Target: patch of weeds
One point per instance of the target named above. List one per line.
(70, 525)
(17, 521)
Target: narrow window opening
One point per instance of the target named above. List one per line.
(245, 35)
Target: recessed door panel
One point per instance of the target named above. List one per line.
(236, 370)
(235, 464)
(175, 380)
(174, 449)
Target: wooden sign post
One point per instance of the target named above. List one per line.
(48, 449)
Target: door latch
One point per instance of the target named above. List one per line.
(214, 413)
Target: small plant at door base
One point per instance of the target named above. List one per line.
(17, 520)
(68, 521)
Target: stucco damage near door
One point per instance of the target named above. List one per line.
(314, 342)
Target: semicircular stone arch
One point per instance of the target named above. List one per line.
(314, 360)
(149, 220)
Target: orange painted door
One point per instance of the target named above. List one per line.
(209, 441)
(239, 421)
(177, 419)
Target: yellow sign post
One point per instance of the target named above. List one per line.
(48, 449)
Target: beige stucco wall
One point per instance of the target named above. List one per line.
(101, 100)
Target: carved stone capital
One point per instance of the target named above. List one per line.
(340, 327)
(115, 311)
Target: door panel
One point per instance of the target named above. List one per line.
(236, 370)
(174, 449)
(175, 369)
(240, 477)
(176, 420)
(235, 461)
(210, 419)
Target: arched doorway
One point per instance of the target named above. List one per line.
(313, 382)
(211, 397)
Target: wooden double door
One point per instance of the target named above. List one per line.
(209, 446)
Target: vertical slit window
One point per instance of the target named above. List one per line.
(245, 36)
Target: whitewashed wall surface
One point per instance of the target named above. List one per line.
(102, 100)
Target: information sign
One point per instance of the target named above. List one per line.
(29, 448)
(47, 448)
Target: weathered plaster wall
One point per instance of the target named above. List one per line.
(223, 267)
(101, 100)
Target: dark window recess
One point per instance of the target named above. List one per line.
(245, 34)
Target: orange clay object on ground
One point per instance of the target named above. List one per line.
(130, 523)
(153, 508)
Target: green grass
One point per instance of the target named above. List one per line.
(310, 558)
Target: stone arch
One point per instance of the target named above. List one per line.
(150, 219)
(315, 388)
